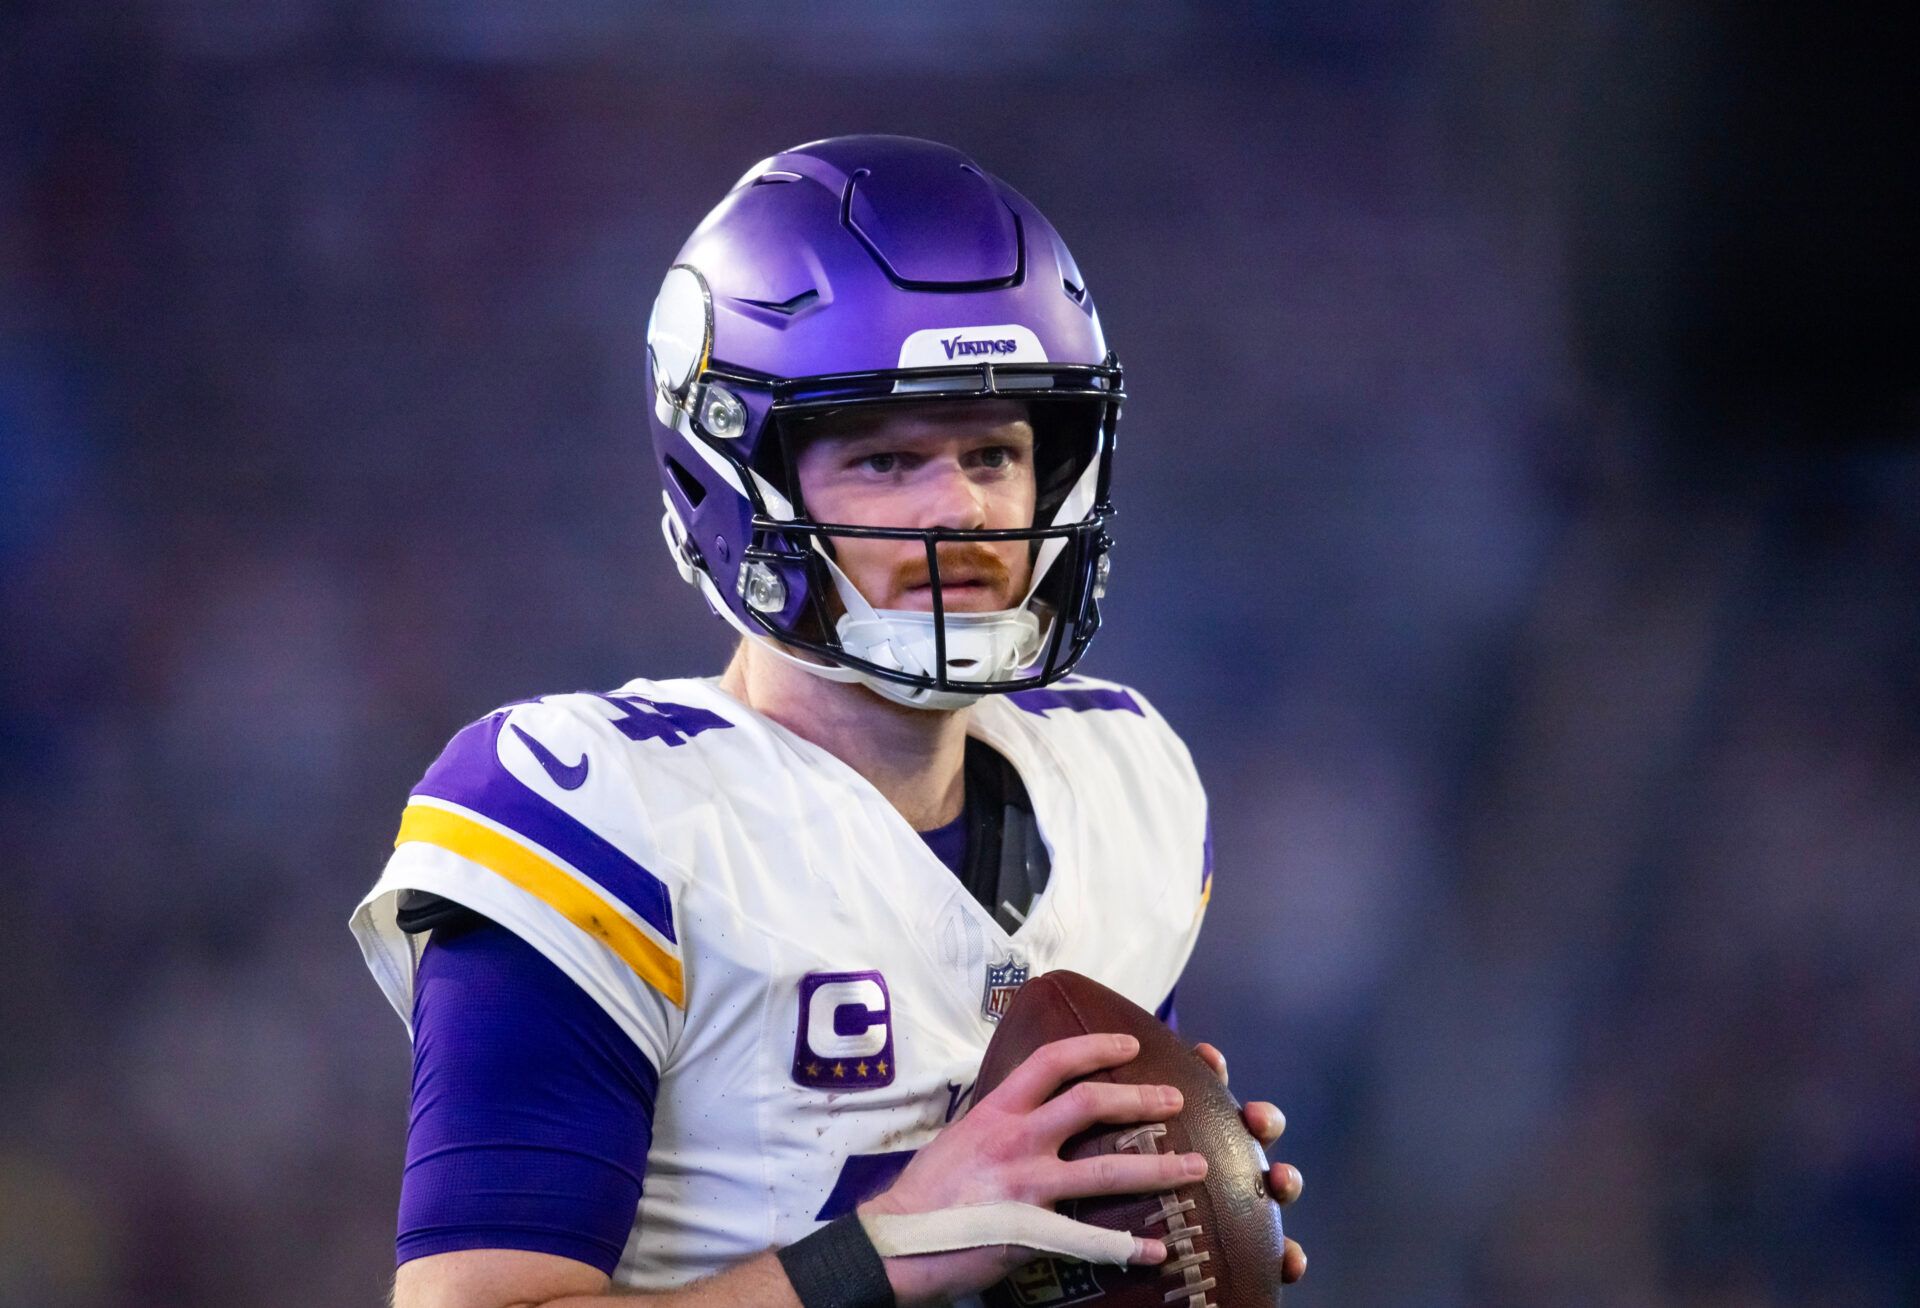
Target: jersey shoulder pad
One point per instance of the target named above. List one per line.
(541, 795)
(1083, 713)
(1124, 759)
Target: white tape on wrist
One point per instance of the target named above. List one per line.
(971, 1226)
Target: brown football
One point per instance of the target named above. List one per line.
(1222, 1233)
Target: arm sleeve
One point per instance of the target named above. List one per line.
(532, 1110)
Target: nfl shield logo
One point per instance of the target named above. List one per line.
(1002, 980)
(1051, 1283)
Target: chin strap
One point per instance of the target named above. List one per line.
(972, 1226)
(980, 646)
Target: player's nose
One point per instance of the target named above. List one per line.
(952, 499)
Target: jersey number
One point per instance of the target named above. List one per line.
(645, 719)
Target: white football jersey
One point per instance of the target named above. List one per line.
(814, 986)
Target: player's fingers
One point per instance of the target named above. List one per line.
(1034, 1081)
(1124, 1174)
(1213, 1058)
(1284, 1182)
(1293, 1263)
(1080, 1106)
(1266, 1122)
(1148, 1252)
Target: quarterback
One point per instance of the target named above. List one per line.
(699, 972)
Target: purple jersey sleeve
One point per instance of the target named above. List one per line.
(532, 1109)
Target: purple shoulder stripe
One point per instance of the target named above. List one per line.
(1076, 699)
(469, 773)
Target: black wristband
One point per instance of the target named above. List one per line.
(838, 1267)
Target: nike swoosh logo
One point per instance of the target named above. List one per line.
(564, 776)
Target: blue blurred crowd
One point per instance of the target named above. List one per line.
(1564, 756)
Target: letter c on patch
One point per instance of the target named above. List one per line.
(847, 1019)
(844, 1039)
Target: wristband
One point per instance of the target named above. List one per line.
(837, 1267)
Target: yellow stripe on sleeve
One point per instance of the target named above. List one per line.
(552, 885)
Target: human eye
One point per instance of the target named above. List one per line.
(878, 461)
(996, 457)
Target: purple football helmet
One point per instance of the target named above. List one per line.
(872, 270)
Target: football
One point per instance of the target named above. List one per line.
(1222, 1233)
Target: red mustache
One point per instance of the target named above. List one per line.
(959, 562)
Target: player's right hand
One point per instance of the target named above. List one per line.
(1008, 1147)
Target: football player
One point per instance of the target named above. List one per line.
(699, 972)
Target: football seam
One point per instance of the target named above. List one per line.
(1183, 1261)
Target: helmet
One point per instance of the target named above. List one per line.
(877, 270)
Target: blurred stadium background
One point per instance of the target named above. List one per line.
(1521, 519)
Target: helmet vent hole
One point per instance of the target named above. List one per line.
(1078, 294)
(788, 307)
(689, 484)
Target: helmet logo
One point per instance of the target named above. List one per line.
(961, 345)
(938, 347)
(680, 332)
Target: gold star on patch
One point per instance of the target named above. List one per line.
(860, 1068)
(883, 1067)
(813, 1069)
(839, 1069)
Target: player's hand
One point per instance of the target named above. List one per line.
(1266, 1123)
(1008, 1147)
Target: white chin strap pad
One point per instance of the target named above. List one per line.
(980, 646)
(974, 1226)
